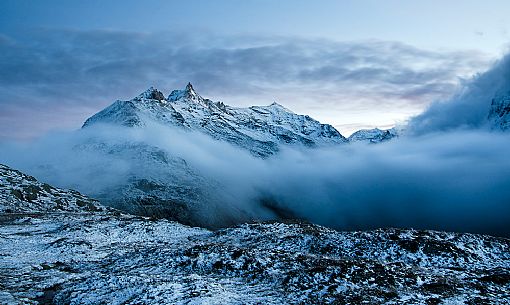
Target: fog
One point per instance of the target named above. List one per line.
(456, 181)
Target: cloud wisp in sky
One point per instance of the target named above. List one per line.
(55, 79)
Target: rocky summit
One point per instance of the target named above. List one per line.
(259, 129)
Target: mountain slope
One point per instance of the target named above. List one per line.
(499, 115)
(156, 183)
(23, 193)
(375, 135)
(259, 129)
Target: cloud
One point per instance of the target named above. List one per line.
(469, 107)
(76, 73)
(456, 181)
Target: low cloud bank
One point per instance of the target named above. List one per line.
(457, 181)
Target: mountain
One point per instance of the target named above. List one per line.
(259, 129)
(499, 114)
(161, 184)
(154, 182)
(23, 193)
(375, 135)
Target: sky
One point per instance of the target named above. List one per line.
(352, 64)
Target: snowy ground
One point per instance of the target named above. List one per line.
(108, 258)
(60, 247)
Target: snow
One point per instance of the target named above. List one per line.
(375, 135)
(98, 258)
(22, 193)
(259, 129)
(104, 256)
(174, 188)
(60, 246)
(499, 115)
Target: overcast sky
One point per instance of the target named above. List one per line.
(353, 64)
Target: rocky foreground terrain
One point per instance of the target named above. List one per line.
(21, 193)
(60, 255)
(117, 259)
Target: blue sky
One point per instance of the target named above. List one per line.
(352, 64)
(427, 24)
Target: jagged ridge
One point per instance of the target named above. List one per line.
(259, 129)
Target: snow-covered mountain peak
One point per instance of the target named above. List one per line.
(189, 90)
(188, 94)
(151, 94)
(499, 114)
(375, 135)
(149, 105)
(259, 129)
(279, 107)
